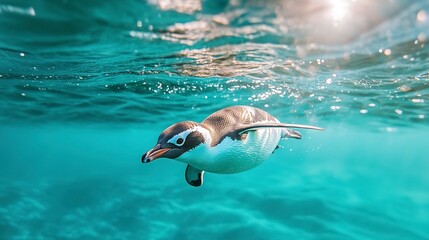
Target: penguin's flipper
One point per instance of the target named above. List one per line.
(194, 176)
(254, 126)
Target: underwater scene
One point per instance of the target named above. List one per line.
(87, 87)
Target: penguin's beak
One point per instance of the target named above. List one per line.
(155, 153)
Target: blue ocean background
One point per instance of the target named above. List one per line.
(87, 86)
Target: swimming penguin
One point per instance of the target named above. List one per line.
(231, 140)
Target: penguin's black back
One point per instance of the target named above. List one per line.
(225, 122)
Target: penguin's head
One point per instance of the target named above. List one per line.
(176, 140)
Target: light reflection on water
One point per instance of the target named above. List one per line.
(331, 58)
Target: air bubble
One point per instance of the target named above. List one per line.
(417, 100)
(387, 52)
(421, 16)
(335, 108)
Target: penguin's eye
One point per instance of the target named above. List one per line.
(180, 141)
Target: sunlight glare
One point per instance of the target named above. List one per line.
(339, 9)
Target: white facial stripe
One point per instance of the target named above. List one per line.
(206, 134)
(182, 135)
(185, 134)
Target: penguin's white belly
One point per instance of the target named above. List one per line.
(232, 156)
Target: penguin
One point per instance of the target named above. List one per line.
(231, 140)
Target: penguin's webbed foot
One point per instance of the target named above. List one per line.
(194, 176)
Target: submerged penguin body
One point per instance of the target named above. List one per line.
(231, 140)
(233, 156)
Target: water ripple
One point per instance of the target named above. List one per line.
(288, 57)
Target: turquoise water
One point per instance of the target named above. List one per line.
(86, 88)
